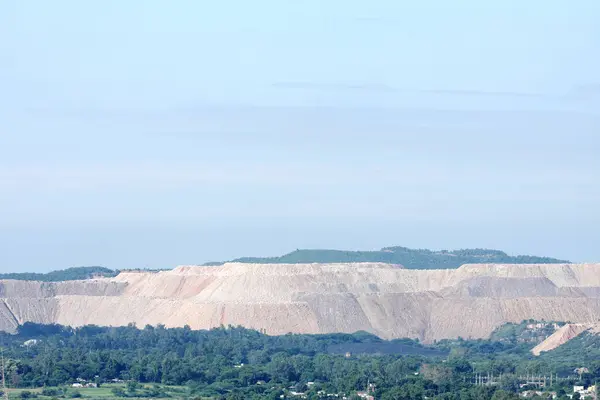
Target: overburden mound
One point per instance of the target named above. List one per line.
(384, 299)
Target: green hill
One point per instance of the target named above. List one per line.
(409, 258)
(69, 274)
(578, 351)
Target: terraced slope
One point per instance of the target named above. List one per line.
(384, 299)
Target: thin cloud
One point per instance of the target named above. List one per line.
(485, 93)
(335, 86)
(157, 176)
(369, 87)
(589, 91)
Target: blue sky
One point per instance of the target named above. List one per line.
(151, 134)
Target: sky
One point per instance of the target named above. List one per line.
(149, 134)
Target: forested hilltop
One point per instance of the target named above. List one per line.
(409, 258)
(233, 363)
(69, 274)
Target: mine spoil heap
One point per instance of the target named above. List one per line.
(387, 300)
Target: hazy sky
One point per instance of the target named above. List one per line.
(156, 133)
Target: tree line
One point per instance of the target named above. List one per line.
(234, 362)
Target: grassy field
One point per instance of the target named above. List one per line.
(101, 393)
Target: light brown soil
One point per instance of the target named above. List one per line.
(388, 300)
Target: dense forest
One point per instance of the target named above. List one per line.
(237, 363)
(409, 258)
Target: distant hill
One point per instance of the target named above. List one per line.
(409, 258)
(69, 274)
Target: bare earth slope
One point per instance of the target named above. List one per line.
(384, 299)
(563, 335)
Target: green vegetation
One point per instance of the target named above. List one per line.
(69, 274)
(132, 390)
(409, 258)
(230, 363)
(529, 331)
(585, 349)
